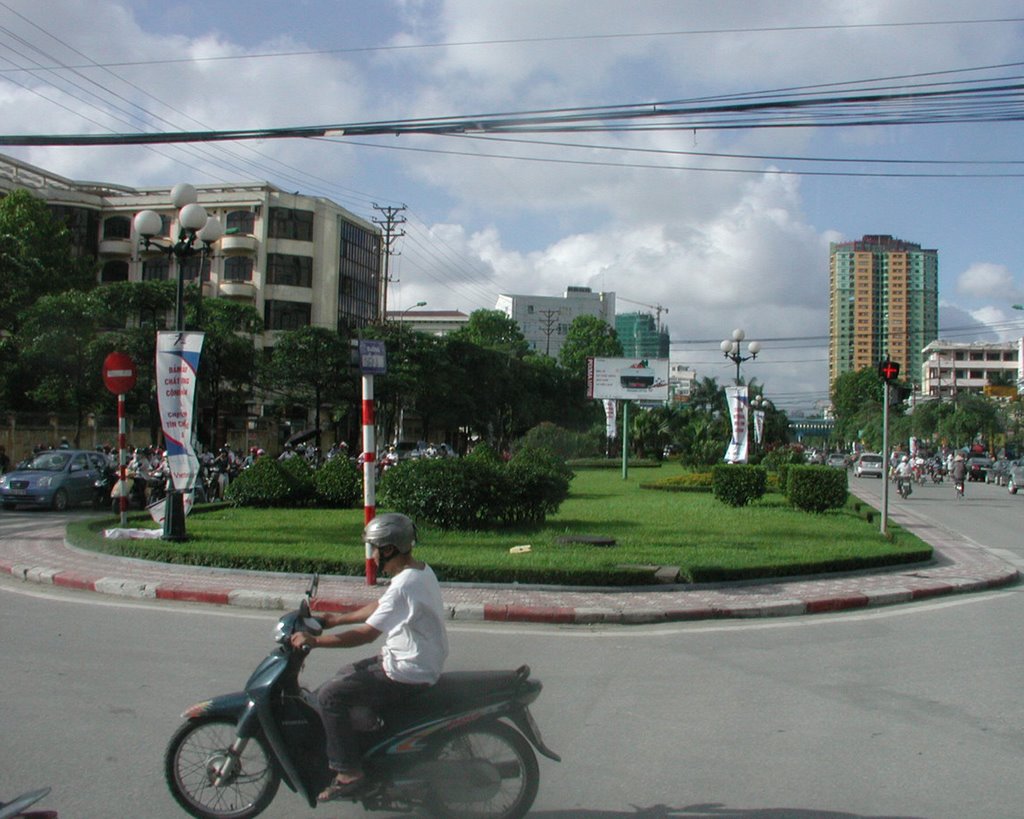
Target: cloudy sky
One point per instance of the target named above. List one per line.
(723, 227)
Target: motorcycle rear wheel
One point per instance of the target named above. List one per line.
(195, 751)
(505, 769)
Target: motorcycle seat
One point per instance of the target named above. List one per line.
(457, 688)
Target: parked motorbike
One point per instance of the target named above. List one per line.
(465, 746)
(17, 807)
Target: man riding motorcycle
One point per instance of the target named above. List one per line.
(410, 614)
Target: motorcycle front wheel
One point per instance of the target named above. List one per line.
(496, 776)
(196, 753)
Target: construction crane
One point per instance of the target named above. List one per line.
(657, 308)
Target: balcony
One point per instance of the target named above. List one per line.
(238, 243)
(116, 247)
(238, 290)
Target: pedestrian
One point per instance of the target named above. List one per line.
(5, 462)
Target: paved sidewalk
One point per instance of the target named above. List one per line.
(959, 566)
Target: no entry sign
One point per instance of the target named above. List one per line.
(119, 373)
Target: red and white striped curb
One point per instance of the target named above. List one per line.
(559, 606)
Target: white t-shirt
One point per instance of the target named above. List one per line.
(411, 616)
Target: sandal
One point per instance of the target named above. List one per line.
(340, 790)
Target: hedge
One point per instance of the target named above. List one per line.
(817, 488)
(738, 484)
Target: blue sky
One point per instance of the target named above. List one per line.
(719, 248)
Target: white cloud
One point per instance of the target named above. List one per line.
(983, 280)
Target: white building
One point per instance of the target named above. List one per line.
(681, 380)
(431, 322)
(298, 260)
(960, 366)
(545, 320)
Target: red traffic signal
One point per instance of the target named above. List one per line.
(889, 370)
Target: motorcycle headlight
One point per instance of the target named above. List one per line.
(281, 632)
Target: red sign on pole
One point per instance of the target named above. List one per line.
(119, 373)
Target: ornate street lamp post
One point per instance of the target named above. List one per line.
(731, 349)
(193, 224)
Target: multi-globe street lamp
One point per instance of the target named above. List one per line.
(731, 350)
(194, 223)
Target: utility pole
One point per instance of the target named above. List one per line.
(389, 225)
(548, 324)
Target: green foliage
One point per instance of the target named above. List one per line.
(269, 483)
(587, 337)
(562, 442)
(738, 484)
(302, 478)
(690, 481)
(485, 453)
(338, 484)
(817, 488)
(478, 492)
(781, 456)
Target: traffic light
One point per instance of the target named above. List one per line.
(889, 371)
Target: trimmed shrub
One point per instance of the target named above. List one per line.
(483, 451)
(687, 482)
(738, 484)
(475, 493)
(564, 443)
(817, 488)
(339, 484)
(265, 483)
(782, 456)
(302, 476)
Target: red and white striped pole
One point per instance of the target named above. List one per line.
(122, 446)
(369, 472)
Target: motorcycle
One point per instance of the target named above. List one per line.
(465, 746)
(15, 809)
(904, 486)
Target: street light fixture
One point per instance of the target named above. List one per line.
(193, 224)
(731, 350)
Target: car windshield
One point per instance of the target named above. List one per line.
(50, 461)
(871, 459)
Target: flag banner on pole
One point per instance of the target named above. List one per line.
(611, 418)
(758, 426)
(177, 363)
(737, 398)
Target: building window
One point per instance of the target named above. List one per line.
(117, 227)
(241, 221)
(358, 275)
(237, 269)
(283, 268)
(286, 315)
(289, 223)
(194, 265)
(155, 270)
(115, 271)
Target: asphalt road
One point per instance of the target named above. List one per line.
(907, 711)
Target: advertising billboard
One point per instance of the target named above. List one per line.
(641, 379)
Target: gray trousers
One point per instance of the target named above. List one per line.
(362, 683)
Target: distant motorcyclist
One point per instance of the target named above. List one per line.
(904, 476)
(410, 614)
(958, 473)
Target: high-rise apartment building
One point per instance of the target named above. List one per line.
(883, 303)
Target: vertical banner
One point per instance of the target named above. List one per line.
(738, 403)
(611, 428)
(177, 363)
(758, 426)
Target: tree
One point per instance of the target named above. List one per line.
(36, 257)
(59, 342)
(857, 402)
(493, 330)
(310, 366)
(228, 365)
(588, 337)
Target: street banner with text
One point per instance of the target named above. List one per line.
(737, 451)
(177, 365)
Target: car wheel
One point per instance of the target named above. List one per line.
(60, 500)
